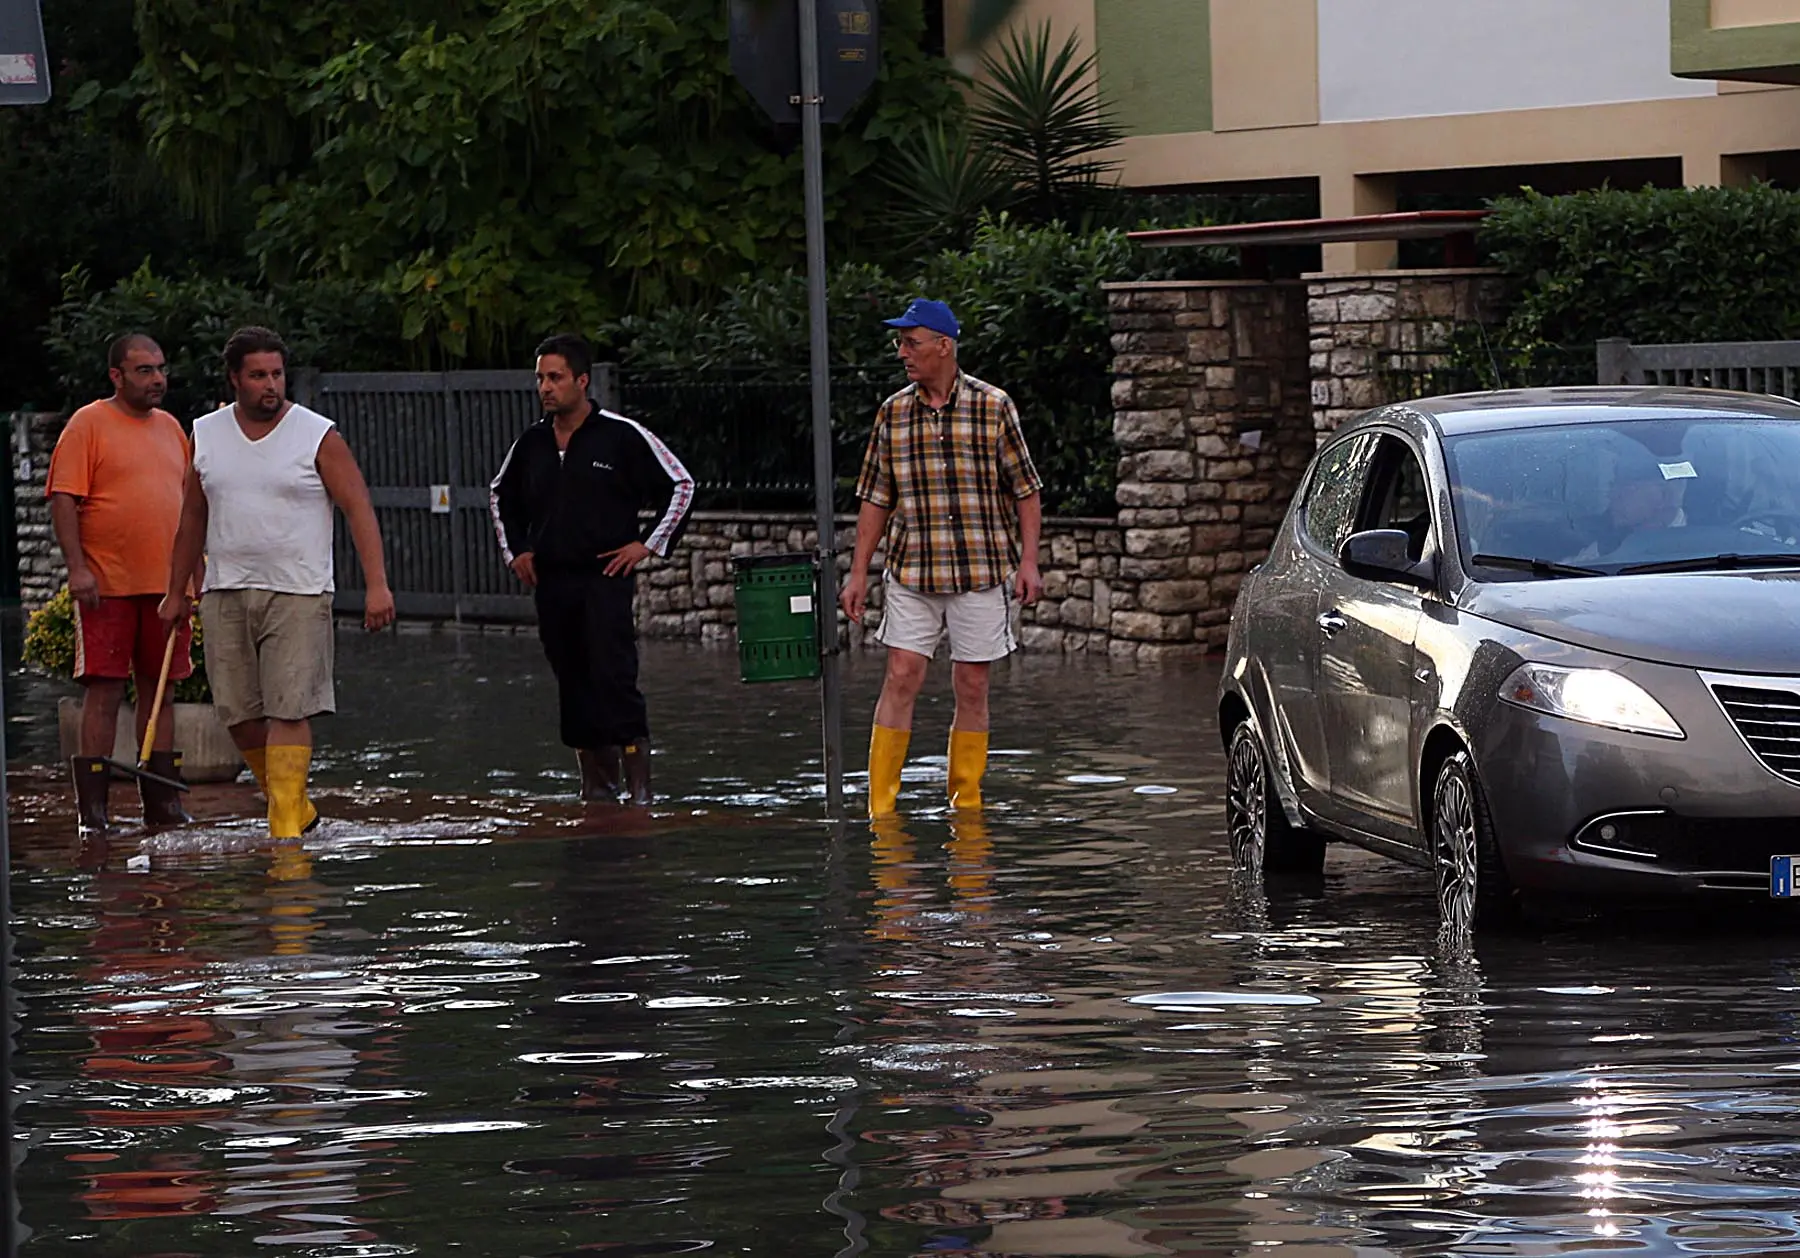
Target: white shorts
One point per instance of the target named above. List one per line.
(979, 622)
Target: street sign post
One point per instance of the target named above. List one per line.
(811, 61)
(24, 64)
(765, 54)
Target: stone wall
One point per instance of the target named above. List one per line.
(689, 595)
(1366, 325)
(41, 571)
(1213, 419)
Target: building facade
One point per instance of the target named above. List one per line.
(1390, 104)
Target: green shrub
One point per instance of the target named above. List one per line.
(1035, 323)
(50, 647)
(339, 325)
(1658, 265)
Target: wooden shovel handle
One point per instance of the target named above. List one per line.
(162, 685)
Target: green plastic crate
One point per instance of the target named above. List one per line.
(778, 626)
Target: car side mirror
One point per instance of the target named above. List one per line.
(1386, 555)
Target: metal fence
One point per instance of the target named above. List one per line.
(1407, 374)
(1748, 366)
(746, 436)
(428, 444)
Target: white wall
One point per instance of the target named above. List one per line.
(1419, 58)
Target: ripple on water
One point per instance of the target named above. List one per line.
(466, 1021)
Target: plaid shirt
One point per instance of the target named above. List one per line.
(952, 479)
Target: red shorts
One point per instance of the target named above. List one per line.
(123, 636)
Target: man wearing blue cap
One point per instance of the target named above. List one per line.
(948, 479)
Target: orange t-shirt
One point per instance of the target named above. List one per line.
(129, 474)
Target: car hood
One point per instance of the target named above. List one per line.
(1740, 622)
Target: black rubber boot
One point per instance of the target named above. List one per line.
(599, 774)
(162, 804)
(637, 773)
(93, 780)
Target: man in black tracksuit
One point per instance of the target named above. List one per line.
(566, 506)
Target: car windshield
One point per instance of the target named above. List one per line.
(1633, 495)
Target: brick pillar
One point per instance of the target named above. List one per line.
(41, 571)
(1366, 325)
(1212, 417)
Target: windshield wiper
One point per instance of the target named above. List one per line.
(1539, 567)
(1704, 563)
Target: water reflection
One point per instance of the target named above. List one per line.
(458, 1020)
(213, 1064)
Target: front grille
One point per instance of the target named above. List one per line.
(1769, 721)
(1734, 843)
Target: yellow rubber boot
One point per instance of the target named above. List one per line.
(971, 863)
(258, 760)
(291, 813)
(968, 763)
(887, 755)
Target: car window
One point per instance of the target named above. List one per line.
(1335, 490)
(1636, 491)
(1398, 497)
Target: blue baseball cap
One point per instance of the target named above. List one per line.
(933, 315)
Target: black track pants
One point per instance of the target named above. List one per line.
(584, 622)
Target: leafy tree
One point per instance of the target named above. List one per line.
(505, 166)
(79, 191)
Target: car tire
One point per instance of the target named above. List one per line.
(1262, 838)
(1473, 891)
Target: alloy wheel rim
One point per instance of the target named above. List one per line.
(1453, 821)
(1246, 801)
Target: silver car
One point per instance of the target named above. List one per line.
(1544, 641)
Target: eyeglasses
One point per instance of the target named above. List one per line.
(915, 342)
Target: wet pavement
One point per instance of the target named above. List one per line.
(467, 1017)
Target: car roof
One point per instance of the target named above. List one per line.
(1460, 413)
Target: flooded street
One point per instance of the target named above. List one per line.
(469, 1018)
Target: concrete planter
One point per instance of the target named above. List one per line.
(207, 752)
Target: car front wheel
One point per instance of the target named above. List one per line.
(1473, 890)
(1262, 840)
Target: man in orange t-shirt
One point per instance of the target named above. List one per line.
(115, 500)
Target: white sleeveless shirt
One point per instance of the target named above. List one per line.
(268, 523)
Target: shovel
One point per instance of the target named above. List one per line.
(162, 684)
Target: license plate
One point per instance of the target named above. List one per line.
(1781, 876)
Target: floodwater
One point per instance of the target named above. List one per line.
(467, 1018)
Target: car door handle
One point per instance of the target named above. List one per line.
(1330, 622)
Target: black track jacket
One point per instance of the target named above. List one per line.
(566, 511)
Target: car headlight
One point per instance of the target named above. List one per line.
(1594, 696)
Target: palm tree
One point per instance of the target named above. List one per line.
(1045, 124)
(943, 184)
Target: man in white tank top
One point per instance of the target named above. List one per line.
(258, 499)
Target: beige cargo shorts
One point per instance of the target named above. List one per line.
(268, 655)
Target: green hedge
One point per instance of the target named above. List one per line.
(1657, 265)
(344, 326)
(1034, 323)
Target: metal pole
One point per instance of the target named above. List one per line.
(831, 697)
